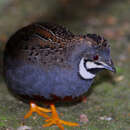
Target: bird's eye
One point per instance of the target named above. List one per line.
(95, 57)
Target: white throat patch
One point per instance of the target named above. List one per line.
(92, 65)
(83, 71)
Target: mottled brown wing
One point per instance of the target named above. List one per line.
(41, 44)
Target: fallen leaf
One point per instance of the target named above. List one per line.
(83, 118)
(119, 78)
(105, 118)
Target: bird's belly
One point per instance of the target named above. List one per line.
(33, 81)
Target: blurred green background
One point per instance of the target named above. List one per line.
(108, 101)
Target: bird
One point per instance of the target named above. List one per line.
(48, 63)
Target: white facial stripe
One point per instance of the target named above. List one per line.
(83, 71)
(103, 63)
(92, 65)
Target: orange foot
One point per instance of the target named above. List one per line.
(55, 120)
(38, 110)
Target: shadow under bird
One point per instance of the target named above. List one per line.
(46, 62)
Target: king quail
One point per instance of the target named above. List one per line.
(46, 62)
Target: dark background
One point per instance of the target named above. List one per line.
(110, 94)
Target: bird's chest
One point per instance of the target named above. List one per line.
(32, 80)
(69, 83)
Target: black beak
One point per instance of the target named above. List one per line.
(109, 66)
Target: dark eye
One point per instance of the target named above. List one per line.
(95, 57)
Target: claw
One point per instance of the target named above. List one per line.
(38, 110)
(55, 120)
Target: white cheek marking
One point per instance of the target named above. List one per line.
(92, 65)
(83, 71)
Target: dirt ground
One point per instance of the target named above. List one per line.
(108, 101)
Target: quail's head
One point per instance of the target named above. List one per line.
(95, 56)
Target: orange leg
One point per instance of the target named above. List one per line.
(38, 110)
(55, 120)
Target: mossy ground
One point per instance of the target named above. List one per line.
(110, 94)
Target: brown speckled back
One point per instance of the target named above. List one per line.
(48, 44)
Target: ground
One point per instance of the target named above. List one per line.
(108, 105)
